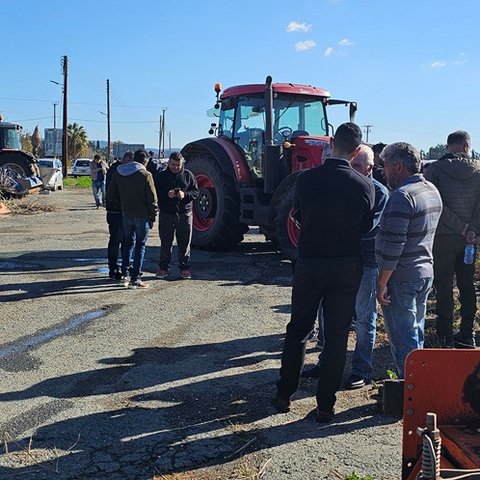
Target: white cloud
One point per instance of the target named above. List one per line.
(437, 64)
(298, 27)
(461, 60)
(328, 52)
(345, 42)
(305, 45)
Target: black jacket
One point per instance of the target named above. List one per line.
(336, 206)
(185, 181)
(112, 206)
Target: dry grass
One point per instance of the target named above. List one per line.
(28, 206)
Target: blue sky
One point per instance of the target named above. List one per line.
(412, 65)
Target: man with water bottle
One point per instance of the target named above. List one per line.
(457, 178)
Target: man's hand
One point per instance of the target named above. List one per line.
(181, 195)
(471, 236)
(171, 193)
(382, 295)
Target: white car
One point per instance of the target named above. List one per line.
(81, 167)
(51, 173)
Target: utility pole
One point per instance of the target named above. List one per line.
(108, 122)
(163, 132)
(54, 129)
(170, 141)
(160, 137)
(367, 129)
(65, 116)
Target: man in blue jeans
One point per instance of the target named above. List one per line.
(98, 171)
(365, 301)
(132, 186)
(404, 250)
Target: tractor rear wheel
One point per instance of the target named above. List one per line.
(19, 162)
(216, 211)
(287, 232)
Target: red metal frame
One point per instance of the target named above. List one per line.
(277, 88)
(445, 382)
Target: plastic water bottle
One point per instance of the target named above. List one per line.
(469, 254)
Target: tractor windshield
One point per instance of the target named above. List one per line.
(9, 138)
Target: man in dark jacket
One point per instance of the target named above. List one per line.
(335, 206)
(457, 178)
(114, 221)
(133, 188)
(176, 190)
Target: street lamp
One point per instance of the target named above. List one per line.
(65, 123)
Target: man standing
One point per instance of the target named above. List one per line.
(114, 221)
(335, 206)
(176, 190)
(403, 248)
(98, 170)
(366, 300)
(133, 188)
(457, 178)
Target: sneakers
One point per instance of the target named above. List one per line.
(161, 273)
(311, 372)
(283, 406)
(461, 340)
(185, 274)
(355, 381)
(123, 282)
(137, 284)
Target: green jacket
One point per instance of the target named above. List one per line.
(132, 187)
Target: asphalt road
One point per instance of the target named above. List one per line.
(101, 382)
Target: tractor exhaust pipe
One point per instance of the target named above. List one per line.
(268, 111)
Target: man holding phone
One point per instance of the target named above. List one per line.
(176, 190)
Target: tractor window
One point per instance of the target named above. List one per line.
(11, 138)
(301, 114)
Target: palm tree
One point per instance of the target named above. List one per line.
(77, 140)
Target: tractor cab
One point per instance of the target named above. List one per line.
(9, 136)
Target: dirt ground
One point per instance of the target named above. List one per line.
(171, 382)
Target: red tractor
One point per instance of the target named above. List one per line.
(265, 136)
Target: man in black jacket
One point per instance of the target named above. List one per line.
(335, 205)
(176, 190)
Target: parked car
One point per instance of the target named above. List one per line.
(51, 173)
(81, 167)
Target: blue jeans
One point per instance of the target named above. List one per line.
(97, 187)
(365, 323)
(135, 232)
(405, 318)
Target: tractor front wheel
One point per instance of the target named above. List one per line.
(216, 211)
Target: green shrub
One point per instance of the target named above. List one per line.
(79, 182)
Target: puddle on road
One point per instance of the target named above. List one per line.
(91, 260)
(103, 270)
(24, 345)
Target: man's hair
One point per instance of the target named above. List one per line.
(177, 156)
(459, 137)
(347, 138)
(96, 157)
(140, 156)
(127, 156)
(378, 147)
(366, 152)
(404, 153)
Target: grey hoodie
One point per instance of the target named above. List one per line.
(457, 178)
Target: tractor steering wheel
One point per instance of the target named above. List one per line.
(285, 132)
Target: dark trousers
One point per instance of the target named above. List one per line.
(448, 253)
(334, 282)
(180, 226)
(115, 241)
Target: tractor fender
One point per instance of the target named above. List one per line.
(280, 191)
(26, 162)
(228, 155)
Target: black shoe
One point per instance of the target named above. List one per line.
(311, 372)
(355, 381)
(461, 340)
(324, 416)
(115, 275)
(283, 406)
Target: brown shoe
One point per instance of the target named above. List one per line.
(283, 406)
(324, 416)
